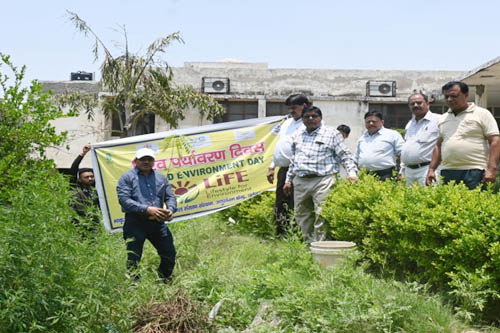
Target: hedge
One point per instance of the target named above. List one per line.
(445, 236)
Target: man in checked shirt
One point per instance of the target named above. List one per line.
(313, 171)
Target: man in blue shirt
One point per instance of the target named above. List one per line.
(379, 147)
(142, 192)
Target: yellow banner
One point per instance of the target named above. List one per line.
(225, 166)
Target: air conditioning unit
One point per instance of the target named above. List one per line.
(215, 85)
(381, 88)
(81, 76)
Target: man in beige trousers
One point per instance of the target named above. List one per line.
(313, 170)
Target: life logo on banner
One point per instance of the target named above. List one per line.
(227, 164)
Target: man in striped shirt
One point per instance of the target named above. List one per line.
(313, 171)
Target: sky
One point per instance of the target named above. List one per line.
(352, 34)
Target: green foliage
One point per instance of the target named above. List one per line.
(139, 85)
(25, 128)
(254, 216)
(274, 286)
(446, 236)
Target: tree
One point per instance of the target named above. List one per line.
(25, 128)
(140, 85)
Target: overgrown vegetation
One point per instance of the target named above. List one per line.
(445, 236)
(57, 278)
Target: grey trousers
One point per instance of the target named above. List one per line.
(309, 194)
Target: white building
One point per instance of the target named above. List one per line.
(249, 90)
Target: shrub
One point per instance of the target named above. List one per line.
(253, 216)
(446, 236)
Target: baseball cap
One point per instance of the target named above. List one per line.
(144, 152)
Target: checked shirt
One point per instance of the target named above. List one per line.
(317, 154)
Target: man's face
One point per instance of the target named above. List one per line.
(456, 99)
(87, 178)
(373, 124)
(418, 106)
(311, 120)
(296, 111)
(145, 164)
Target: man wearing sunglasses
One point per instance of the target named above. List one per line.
(420, 138)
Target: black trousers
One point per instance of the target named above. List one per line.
(383, 174)
(137, 230)
(283, 205)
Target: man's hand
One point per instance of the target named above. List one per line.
(353, 179)
(489, 176)
(270, 175)
(159, 214)
(431, 177)
(287, 189)
(85, 150)
(400, 176)
(170, 215)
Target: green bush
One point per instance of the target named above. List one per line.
(253, 216)
(446, 236)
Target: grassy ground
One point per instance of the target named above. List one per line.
(274, 286)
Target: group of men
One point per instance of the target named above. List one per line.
(462, 145)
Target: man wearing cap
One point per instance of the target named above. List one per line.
(142, 192)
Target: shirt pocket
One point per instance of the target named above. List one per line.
(428, 135)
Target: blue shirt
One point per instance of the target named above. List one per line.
(378, 151)
(317, 153)
(136, 192)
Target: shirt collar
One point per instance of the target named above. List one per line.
(367, 134)
(470, 108)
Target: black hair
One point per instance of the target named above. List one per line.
(375, 113)
(297, 99)
(426, 99)
(464, 88)
(82, 170)
(344, 128)
(312, 109)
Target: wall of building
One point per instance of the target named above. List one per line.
(340, 94)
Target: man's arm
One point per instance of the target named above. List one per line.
(490, 173)
(436, 160)
(124, 191)
(345, 156)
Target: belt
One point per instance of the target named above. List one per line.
(309, 176)
(418, 166)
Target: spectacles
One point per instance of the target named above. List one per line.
(313, 116)
(416, 102)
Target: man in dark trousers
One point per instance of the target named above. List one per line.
(282, 152)
(142, 193)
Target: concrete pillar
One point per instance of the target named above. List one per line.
(481, 97)
(261, 107)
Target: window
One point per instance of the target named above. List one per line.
(495, 111)
(395, 115)
(144, 124)
(238, 111)
(276, 109)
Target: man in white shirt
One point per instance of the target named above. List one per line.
(378, 147)
(421, 135)
(281, 158)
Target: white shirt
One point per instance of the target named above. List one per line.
(283, 149)
(378, 151)
(420, 139)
